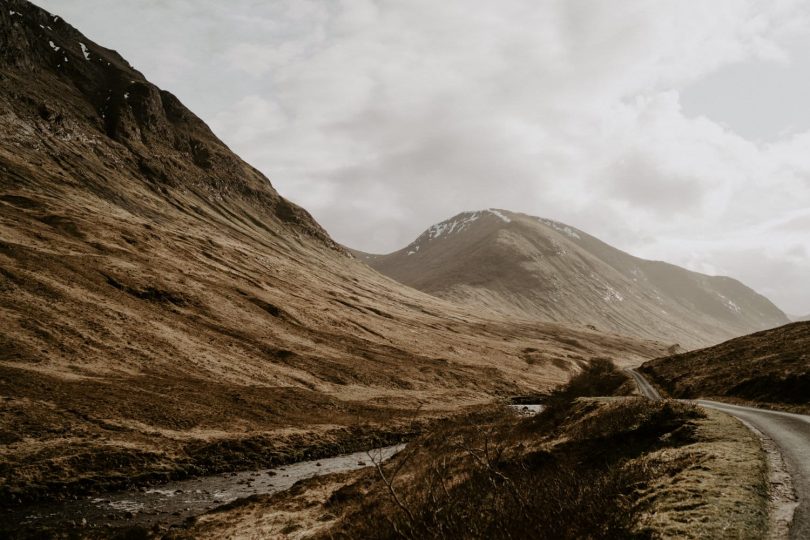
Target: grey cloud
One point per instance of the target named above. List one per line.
(757, 99)
(798, 224)
(782, 279)
(639, 181)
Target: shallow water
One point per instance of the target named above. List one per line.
(528, 410)
(174, 502)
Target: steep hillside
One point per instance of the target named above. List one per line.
(769, 367)
(164, 311)
(532, 267)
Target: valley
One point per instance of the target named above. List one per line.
(166, 313)
(186, 353)
(621, 465)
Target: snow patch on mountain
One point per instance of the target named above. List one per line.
(612, 295)
(498, 213)
(455, 225)
(560, 227)
(730, 304)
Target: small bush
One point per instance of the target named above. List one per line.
(600, 377)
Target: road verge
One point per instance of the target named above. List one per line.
(719, 490)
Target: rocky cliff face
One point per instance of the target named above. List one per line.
(537, 268)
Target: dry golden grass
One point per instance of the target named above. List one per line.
(770, 368)
(705, 478)
(717, 488)
(297, 513)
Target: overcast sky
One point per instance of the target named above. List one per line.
(674, 130)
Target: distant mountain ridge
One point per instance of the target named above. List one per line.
(538, 268)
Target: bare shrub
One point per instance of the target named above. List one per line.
(600, 377)
(572, 471)
(492, 475)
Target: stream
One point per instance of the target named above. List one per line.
(528, 409)
(174, 502)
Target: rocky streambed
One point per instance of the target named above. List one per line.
(172, 503)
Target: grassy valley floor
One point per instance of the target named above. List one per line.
(619, 467)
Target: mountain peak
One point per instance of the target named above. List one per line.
(534, 267)
(461, 221)
(490, 219)
(34, 39)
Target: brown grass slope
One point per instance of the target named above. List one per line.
(164, 311)
(518, 264)
(771, 367)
